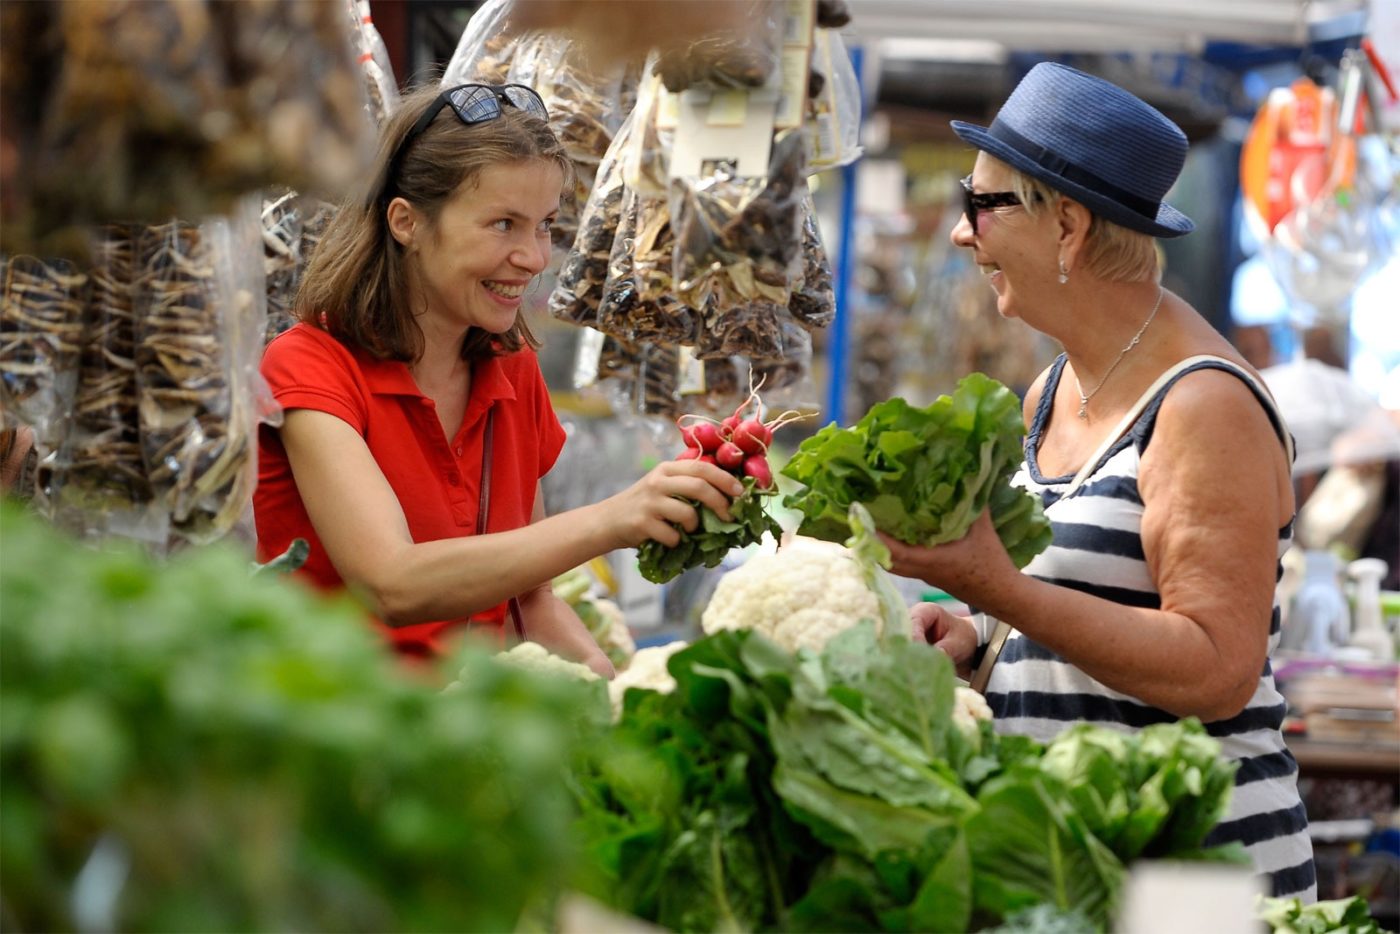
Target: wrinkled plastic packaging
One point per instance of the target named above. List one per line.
(831, 126)
(739, 239)
(199, 340)
(578, 290)
(41, 325)
(485, 49)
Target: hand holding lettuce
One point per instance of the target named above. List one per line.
(924, 474)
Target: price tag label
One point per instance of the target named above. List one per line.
(690, 373)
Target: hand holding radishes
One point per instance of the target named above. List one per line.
(668, 501)
(739, 446)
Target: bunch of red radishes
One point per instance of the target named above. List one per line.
(738, 443)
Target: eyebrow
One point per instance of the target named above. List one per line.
(515, 215)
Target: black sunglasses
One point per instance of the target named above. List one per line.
(974, 202)
(472, 103)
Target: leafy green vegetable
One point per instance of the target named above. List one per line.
(1338, 916)
(255, 758)
(714, 538)
(924, 474)
(1029, 846)
(1154, 793)
(874, 560)
(288, 561)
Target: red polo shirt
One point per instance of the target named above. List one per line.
(436, 479)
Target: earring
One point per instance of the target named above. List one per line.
(1064, 273)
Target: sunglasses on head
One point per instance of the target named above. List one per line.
(974, 202)
(472, 103)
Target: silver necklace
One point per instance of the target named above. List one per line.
(1084, 397)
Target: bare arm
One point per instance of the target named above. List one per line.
(1214, 487)
(362, 527)
(552, 623)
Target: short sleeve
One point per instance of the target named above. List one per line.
(308, 369)
(551, 433)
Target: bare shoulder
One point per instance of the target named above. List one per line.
(1212, 428)
(1033, 394)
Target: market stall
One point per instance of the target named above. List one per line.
(758, 263)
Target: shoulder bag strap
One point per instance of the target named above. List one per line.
(1003, 630)
(483, 510)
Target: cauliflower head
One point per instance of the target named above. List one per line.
(968, 708)
(646, 671)
(531, 656)
(798, 598)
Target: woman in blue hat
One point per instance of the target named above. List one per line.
(1161, 461)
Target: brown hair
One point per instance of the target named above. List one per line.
(355, 284)
(1113, 252)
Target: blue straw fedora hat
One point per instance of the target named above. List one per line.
(1092, 141)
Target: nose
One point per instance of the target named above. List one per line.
(962, 234)
(531, 254)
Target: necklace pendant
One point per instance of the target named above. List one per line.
(1084, 409)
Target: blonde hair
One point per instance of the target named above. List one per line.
(1112, 252)
(355, 286)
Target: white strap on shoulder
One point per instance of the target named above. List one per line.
(1132, 414)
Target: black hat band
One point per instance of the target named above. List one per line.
(1070, 172)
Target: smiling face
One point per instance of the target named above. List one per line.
(471, 265)
(1016, 251)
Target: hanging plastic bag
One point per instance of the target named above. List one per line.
(199, 337)
(584, 112)
(578, 289)
(787, 379)
(749, 330)
(485, 49)
(832, 124)
(740, 239)
(647, 157)
(302, 115)
(813, 302)
(97, 477)
(658, 385)
(635, 306)
(41, 328)
(373, 56)
(281, 241)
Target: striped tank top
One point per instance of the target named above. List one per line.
(1097, 549)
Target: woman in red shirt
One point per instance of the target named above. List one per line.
(410, 358)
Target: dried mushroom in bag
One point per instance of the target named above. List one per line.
(791, 364)
(102, 470)
(281, 240)
(178, 107)
(41, 329)
(578, 290)
(583, 112)
(658, 385)
(751, 330)
(634, 308)
(733, 58)
(739, 239)
(377, 71)
(316, 217)
(486, 47)
(646, 161)
(723, 388)
(124, 132)
(195, 435)
(303, 115)
(813, 303)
